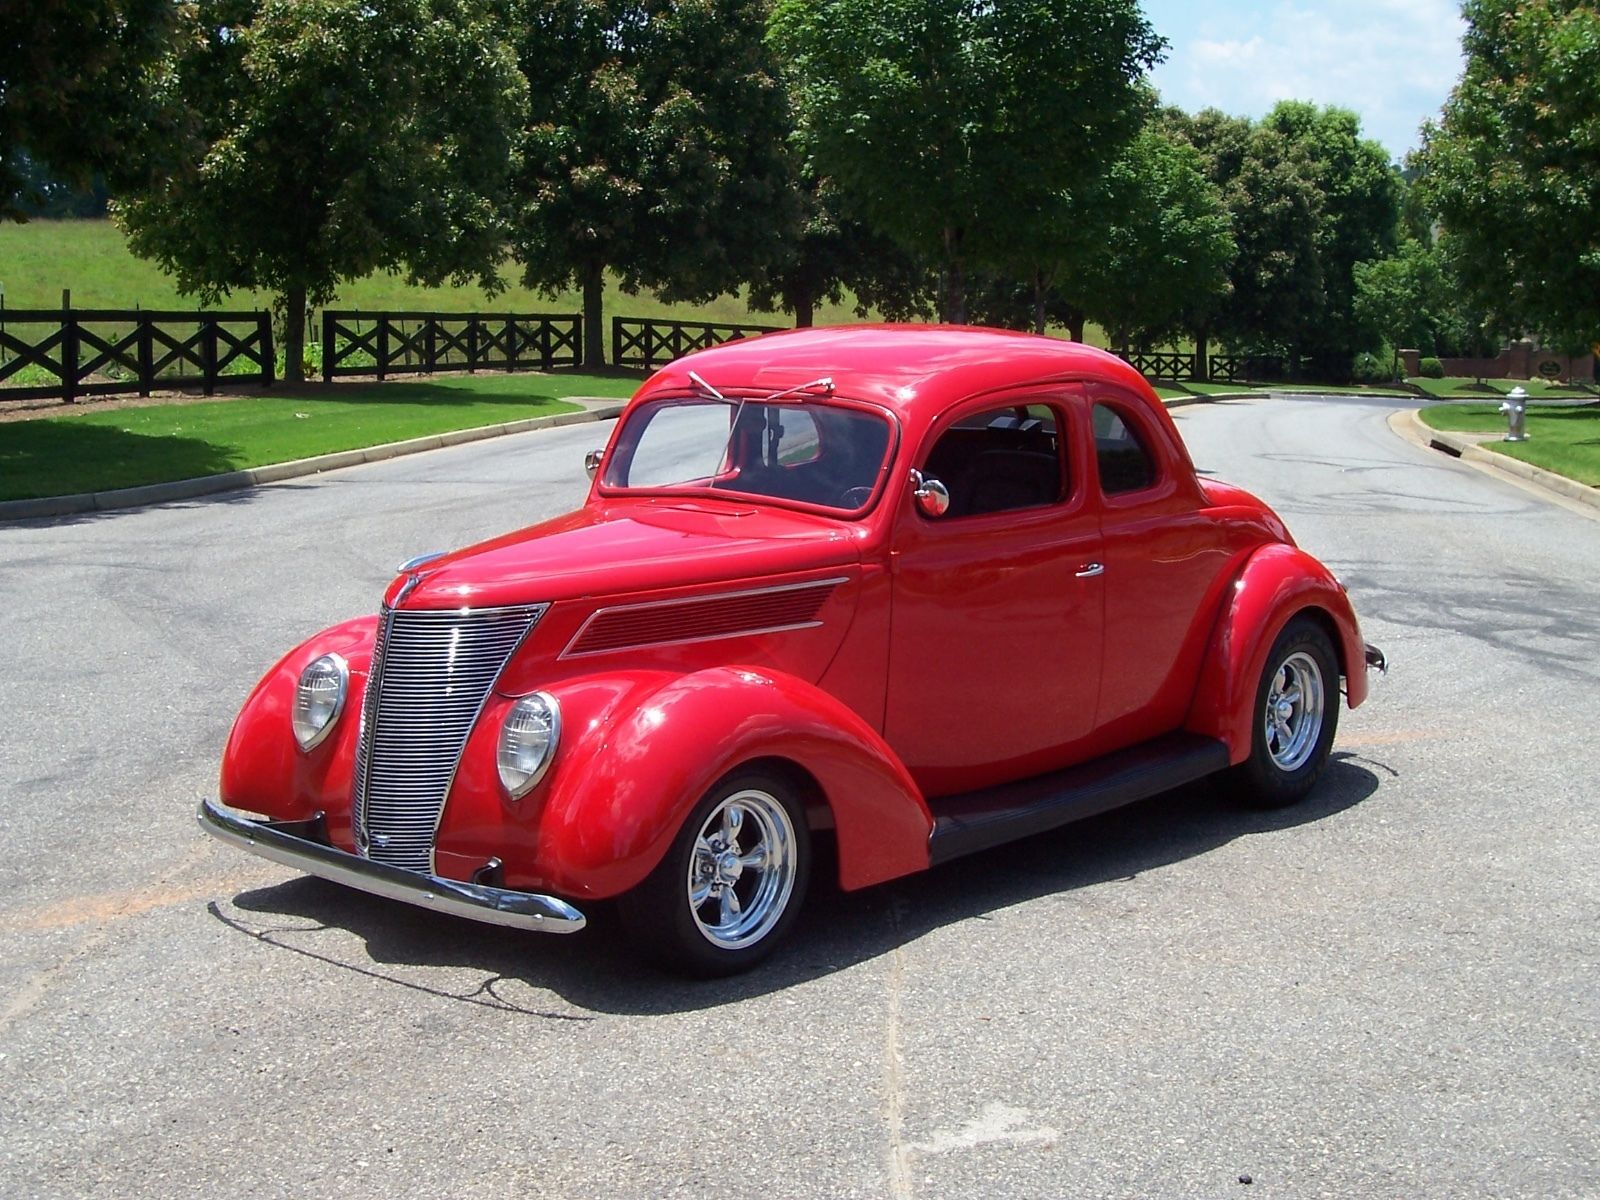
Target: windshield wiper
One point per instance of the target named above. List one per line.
(824, 385)
(705, 387)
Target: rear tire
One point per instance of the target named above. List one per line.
(1295, 716)
(732, 883)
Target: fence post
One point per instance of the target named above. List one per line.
(327, 346)
(472, 344)
(383, 347)
(269, 352)
(430, 330)
(208, 354)
(577, 342)
(69, 357)
(147, 354)
(616, 342)
(514, 345)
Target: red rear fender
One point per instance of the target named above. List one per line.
(1276, 583)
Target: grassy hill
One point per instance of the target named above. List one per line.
(40, 258)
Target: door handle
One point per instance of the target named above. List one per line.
(1090, 570)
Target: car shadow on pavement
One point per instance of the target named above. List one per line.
(595, 972)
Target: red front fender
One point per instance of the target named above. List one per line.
(639, 751)
(264, 771)
(1276, 583)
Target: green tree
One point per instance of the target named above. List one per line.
(826, 255)
(1309, 198)
(322, 140)
(1512, 168)
(1358, 218)
(954, 128)
(73, 79)
(654, 148)
(1413, 299)
(1162, 262)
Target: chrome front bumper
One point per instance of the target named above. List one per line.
(281, 841)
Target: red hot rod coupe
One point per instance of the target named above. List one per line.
(919, 591)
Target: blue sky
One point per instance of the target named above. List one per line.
(1392, 61)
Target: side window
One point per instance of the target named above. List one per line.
(1126, 464)
(1000, 459)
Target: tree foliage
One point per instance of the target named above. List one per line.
(1309, 198)
(73, 77)
(1512, 169)
(654, 148)
(1413, 300)
(323, 140)
(826, 253)
(1162, 266)
(954, 128)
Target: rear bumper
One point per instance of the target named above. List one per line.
(287, 842)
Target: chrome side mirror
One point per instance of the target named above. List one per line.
(591, 462)
(932, 497)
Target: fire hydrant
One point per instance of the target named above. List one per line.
(1515, 407)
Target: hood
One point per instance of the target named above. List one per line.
(633, 547)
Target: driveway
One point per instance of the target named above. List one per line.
(1390, 990)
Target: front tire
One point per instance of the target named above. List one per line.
(1295, 716)
(731, 884)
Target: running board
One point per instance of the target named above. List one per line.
(972, 821)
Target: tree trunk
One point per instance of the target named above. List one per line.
(1076, 318)
(294, 333)
(1202, 355)
(804, 307)
(1038, 301)
(954, 309)
(594, 333)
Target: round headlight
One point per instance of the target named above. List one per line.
(319, 698)
(528, 742)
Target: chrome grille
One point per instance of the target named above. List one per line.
(431, 673)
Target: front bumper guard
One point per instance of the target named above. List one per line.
(284, 842)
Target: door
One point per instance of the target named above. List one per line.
(994, 664)
(1164, 563)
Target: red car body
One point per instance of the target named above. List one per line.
(925, 683)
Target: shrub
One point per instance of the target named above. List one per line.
(1431, 368)
(1373, 368)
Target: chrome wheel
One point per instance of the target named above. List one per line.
(1294, 710)
(742, 870)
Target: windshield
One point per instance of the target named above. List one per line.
(804, 451)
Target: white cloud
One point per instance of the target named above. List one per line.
(1392, 61)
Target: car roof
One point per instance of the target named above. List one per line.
(915, 370)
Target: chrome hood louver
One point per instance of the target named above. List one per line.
(432, 670)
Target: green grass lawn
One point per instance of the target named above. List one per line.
(40, 258)
(127, 447)
(1564, 440)
(1463, 388)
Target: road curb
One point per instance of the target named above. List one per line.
(595, 409)
(1467, 449)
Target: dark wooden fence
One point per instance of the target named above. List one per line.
(636, 342)
(385, 343)
(64, 354)
(1243, 368)
(1161, 364)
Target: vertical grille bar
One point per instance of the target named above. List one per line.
(432, 671)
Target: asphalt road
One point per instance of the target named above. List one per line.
(1389, 991)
